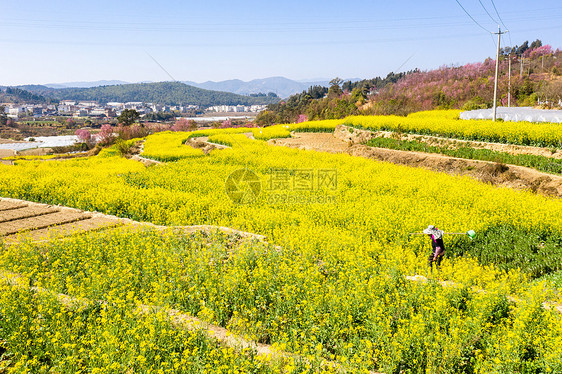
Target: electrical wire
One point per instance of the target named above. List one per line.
(489, 15)
(503, 24)
(404, 63)
(468, 14)
(494, 5)
(493, 40)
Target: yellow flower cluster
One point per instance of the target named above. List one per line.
(30, 158)
(446, 123)
(40, 335)
(169, 146)
(345, 305)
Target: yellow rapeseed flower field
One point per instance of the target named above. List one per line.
(330, 285)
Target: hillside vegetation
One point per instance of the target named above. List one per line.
(169, 93)
(19, 96)
(536, 76)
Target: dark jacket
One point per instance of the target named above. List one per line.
(437, 245)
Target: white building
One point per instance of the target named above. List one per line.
(97, 112)
(66, 108)
(81, 113)
(15, 111)
(133, 105)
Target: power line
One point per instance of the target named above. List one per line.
(161, 67)
(494, 5)
(468, 14)
(503, 24)
(404, 63)
(493, 41)
(486, 10)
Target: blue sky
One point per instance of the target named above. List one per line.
(61, 41)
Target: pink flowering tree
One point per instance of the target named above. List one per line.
(180, 125)
(545, 50)
(105, 136)
(183, 124)
(83, 135)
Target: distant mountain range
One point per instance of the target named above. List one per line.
(84, 84)
(281, 86)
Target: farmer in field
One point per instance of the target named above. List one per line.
(436, 237)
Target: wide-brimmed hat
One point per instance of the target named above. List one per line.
(432, 230)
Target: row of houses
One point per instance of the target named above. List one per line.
(16, 111)
(88, 109)
(112, 109)
(236, 108)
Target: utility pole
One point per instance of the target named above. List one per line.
(497, 73)
(509, 84)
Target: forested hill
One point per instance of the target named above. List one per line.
(17, 95)
(169, 93)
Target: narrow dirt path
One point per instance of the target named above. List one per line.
(137, 152)
(203, 143)
(512, 176)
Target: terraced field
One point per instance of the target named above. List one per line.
(334, 281)
(495, 173)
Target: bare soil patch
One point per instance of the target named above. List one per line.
(513, 176)
(24, 212)
(353, 135)
(90, 224)
(145, 161)
(7, 205)
(317, 141)
(36, 152)
(203, 144)
(39, 222)
(7, 153)
(21, 220)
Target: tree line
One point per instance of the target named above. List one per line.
(341, 99)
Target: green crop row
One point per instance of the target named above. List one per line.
(541, 163)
